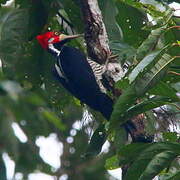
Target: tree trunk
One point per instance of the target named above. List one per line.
(95, 32)
(98, 49)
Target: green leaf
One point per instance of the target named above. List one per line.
(162, 18)
(164, 89)
(36, 24)
(121, 113)
(16, 52)
(122, 104)
(164, 146)
(14, 33)
(51, 117)
(132, 152)
(131, 23)
(147, 63)
(157, 164)
(4, 13)
(109, 12)
(73, 11)
(170, 136)
(155, 36)
(97, 140)
(175, 176)
(148, 154)
(120, 137)
(142, 66)
(125, 52)
(35, 99)
(150, 123)
(129, 153)
(149, 44)
(112, 163)
(151, 78)
(146, 106)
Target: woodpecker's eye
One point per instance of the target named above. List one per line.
(56, 33)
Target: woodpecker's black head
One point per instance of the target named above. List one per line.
(50, 38)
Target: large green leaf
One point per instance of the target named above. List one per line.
(146, 106)
(129, 153)
(150, 156)
(152, 77)
(109, 12)
(147, 63)
(175, 176)
(138, 89)
(150, 123)
(126, 100)
(51, 117)
(16, 53)
(149, 44)
(165, 89)
(112, 163)
(170, 136)
(21, 105)
(153, 8)
(14, 34)
(133, 151)
(36, 24)
(120, 137)
(157, 164)
(142, 66)
(163, 146)
(74, 14)
(131, 23)
(150, 165)
(4, 13)
(125, 52)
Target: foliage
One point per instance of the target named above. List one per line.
(30, 97)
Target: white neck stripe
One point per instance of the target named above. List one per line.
(56, 51)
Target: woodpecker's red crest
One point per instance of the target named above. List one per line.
(54, 37)
(48, 38)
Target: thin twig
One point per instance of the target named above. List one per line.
(175, 73)
(173, 27)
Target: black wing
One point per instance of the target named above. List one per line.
(81, 82)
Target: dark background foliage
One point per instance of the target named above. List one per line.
(30, 97)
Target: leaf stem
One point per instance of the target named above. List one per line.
(175, 73)
(172, 27)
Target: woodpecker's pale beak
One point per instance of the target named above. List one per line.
(69, 37)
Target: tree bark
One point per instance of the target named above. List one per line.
(95, 32)
(98, 49)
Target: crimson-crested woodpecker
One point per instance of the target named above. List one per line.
(79, 75)
(74, 71)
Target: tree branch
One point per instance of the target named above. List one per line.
(95, 31)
